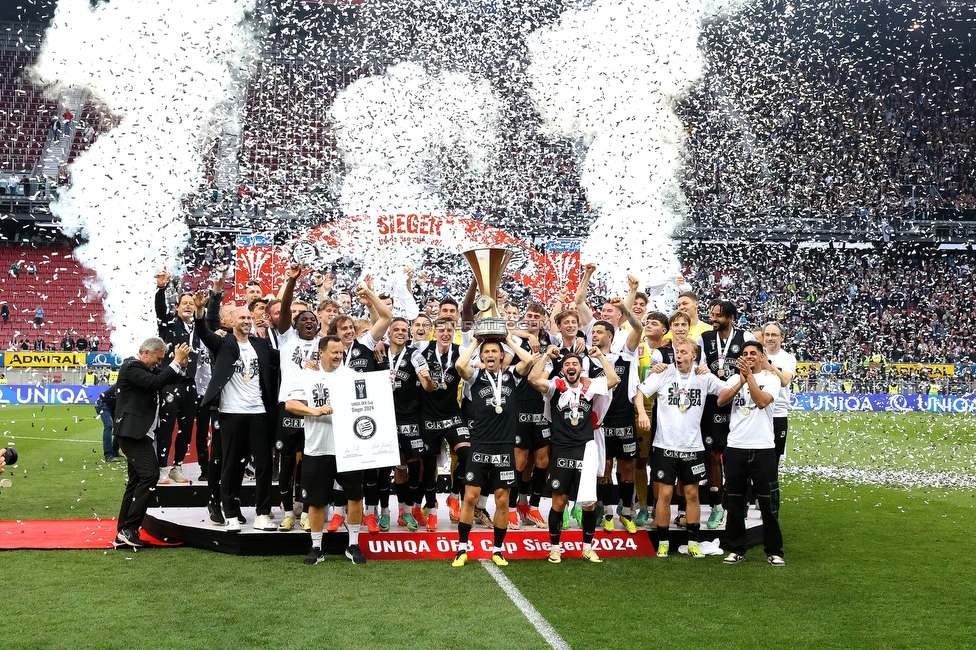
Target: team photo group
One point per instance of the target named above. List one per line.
(613, 412)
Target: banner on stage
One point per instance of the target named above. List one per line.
(363, 422)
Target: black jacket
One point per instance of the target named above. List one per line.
(226, 352)
(173, 331)
(138, 397)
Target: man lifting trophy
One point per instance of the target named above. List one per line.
(488, 265)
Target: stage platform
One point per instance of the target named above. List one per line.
(192, 527)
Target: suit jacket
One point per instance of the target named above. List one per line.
(226, 352)
(138, 397)
(173, 331)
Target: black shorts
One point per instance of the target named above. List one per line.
(565, 470)
(411, 442)
(454, 430)
(290, 433)
(780, 429)
(715, 430)
(621, 442)
(671, 465)
(532, 432)
(491, 467)
(319, 475)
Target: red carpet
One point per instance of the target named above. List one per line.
(64, 534)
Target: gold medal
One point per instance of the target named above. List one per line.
(247, 377)
(720, 372)
(682, 407)
(746, 410)
(498, 409)
(574, 421)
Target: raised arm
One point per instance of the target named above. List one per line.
(525, 357)
(161, 281)
(612, 378)
(633, 283)
(579, 300)
(467, 307)
(202, 329)
(636, 329)
(463, 363)
(383, 314)
(287, 295)
(538, 376)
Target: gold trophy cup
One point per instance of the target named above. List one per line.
(488, 265)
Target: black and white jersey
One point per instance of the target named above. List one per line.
(359, 356)
(487, 391)
(572, 411)
(406, 385)
(528, 398)
(626, 365)
(442, 404)
(720, 356)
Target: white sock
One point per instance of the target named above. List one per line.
(353, 534)
(587, 547)
(317, 540)
(496, 549)
(290, 513)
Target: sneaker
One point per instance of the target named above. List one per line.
(232, 525)
(128, 537)
(499, 559)
(513, 522)
(370, 522)
(432, 521)
(608, 524)
(263, 522)
(590, 556)
(335, 523)
(681, 521)
(287, 523)
(216, 516)
(734, 558)
(776, 560)
(385, 523)
(567, 522)
(177, 475)
(628, 524)
(355, 554)
(484, 518)
(406, 519)
(163, 476)
(577, 514)
(535, 518)
(418, 514)
(241, 519)
(641, 519)
(112, 459)
(249, 472)
(303, 523)
(715, 519)
(523, 513)
(454, 509)
(555, 555)
(663, 548)
(314, 556)
(460, 559)
(203, 475)
(653, 525)
(694, 550)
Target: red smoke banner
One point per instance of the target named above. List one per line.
(259, 259)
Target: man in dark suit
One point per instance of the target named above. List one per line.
(179, 406)
(245, 381)
(136, 422)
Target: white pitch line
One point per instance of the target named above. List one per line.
(16, 438)
(538, 622)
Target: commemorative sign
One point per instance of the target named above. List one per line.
(363, 424)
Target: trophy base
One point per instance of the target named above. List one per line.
(491, 329)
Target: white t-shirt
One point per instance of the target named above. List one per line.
(295, 351)
(752, 430)
(679, 430)
(787, 363)
(242, 394)
(313, 388)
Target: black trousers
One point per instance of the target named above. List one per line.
(202, 435)
(216, 451)
(143, 474)
(760, 467)
(241, 437)
(179, 407)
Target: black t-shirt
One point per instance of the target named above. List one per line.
(359, 357)
(530, 400)
(489, 427)
(442, 403)
(564, 432)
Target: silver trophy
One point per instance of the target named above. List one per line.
(488, 265)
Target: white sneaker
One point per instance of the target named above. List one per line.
(232, 525)
(263, 522)
(163, 476)
(177, 475)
